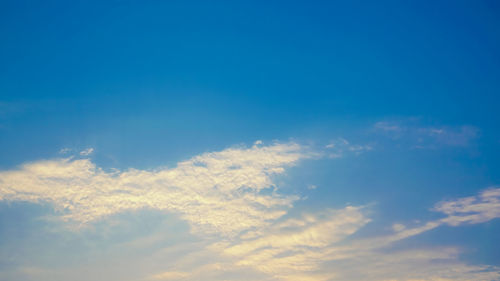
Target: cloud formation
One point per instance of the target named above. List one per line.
(293, 247)
(231, 201)
(217, 192)
(322, 246)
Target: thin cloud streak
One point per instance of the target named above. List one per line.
(424, 137)
(341, 147)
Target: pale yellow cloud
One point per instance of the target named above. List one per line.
(290, 248)
(170, 275)
(242, 230)
(317, 245)
(215, 192)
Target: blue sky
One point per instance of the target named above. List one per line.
(249, 140)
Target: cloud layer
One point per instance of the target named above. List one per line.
(230, 200)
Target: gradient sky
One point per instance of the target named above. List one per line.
(249, 140)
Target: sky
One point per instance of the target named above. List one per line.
(249, 140)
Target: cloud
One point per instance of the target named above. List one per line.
(420, 136)
(437, 264)
(86, 152)
(290, 247)
(340, 147)
(397, 227)
(170, 275)
(232, 204)
(468, 210)
(471, 210)
(388, 126)
(320, 245)
(217, 192)
(460, 136)
(312, 187)
(65, 150)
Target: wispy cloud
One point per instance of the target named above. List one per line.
(322, 246)
(87, 152)
(340, 147)
(389, 126)
(417, 135)
(291, 247)
(470, 210)
(65, 150)
(460, 136)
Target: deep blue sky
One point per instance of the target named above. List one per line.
(147, 84)
(200, 72)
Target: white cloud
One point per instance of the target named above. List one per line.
(231, 202)
(312, 187)
(87, 151)
(216, 192)
(471, 210)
